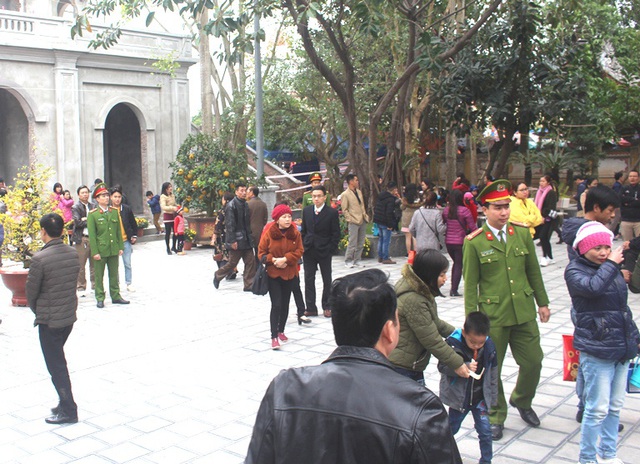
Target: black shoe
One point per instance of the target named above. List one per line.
(247, 290)
(100, 304)
(579, 415)
(216, 282)
(169, 252)
(303, 320)
(528, 415)
(174, 250)
(559, 242)
(120, 301)
(496, 431)
(61, 418)
(232, 276)
(454, 294)
(55, 410)
(620, 427)
(310, 313)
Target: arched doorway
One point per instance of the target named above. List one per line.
(123, 153)
(14, 136)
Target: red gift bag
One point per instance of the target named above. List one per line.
(571, 359)
(412, 256)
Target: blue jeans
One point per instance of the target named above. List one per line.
(126, 260)
(603, 395)
(483, 427)
(383, 242)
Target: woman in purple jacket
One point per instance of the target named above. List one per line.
(459, 223)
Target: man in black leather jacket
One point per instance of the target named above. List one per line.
(353, 408)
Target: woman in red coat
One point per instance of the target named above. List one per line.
(281, 244)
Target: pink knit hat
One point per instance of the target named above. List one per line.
(592, 234)
(280, 210)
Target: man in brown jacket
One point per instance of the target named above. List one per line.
(258, 215)
(355, 212)
(51, 293)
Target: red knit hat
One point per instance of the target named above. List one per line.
(280, 210)
(590, 235)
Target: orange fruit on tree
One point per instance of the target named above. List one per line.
(226, 173)
(194, 183)
(180, 171)
(185, 209)
(191, 156)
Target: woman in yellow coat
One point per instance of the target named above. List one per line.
(524, 210)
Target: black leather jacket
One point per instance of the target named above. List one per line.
(352, 409)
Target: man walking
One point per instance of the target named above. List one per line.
(238, 240)
(630, 207)
(370, 413)
(501, 278)
(79, 213)
(105, 240)
(258, 215)
(129, 229)
(52, 297)
(355, 213)
(320, 237)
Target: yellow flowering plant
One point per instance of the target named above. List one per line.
(26, 201)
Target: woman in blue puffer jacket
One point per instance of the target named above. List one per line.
(606, 336)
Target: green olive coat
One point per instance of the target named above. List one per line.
(502, 283)
(105, 234)
(422, 332)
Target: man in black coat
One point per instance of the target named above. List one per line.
(237, 223)
(320, 237)
(52, 297)
(353, 408)
(384, 215)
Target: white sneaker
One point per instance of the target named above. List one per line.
(349, 264)
(130, 289)
(552, 261)
(544, 262)
(609, 460)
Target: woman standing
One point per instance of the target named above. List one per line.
(281, 246)
(410, 203)
(218, 239)
(606, 336)
(459, 223)
(524, 210)
(422, 332)
(169, 207)
(427, 226)
(546, 200)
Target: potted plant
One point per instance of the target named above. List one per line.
(26, 202)
(142, 223)
(189, 237)
(202, 171)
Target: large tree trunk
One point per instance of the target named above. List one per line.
(206, 92)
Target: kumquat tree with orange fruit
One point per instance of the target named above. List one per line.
(203, 170)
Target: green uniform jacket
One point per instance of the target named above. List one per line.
(422, 332)
(105, 235)
(502, 284)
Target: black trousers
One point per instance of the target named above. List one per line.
(546, 229)
(52, 343)
(297, 295)
(280, 294)
(311, 262)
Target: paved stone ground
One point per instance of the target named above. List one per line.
(178, 375)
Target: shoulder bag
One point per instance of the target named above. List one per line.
(260, 284)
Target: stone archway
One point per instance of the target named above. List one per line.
(14, 136)
(123, 153)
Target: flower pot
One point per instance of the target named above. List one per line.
(16, 281)
(140, 231)
(187, 246)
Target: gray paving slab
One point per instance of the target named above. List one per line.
(177, 376)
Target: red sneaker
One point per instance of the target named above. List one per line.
(275, 344)
(282, 337)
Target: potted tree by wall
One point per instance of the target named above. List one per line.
(26, 201)
(202, 171)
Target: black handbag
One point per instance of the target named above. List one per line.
(260, 284)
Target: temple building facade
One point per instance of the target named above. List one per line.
(88, 113)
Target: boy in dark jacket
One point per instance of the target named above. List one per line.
(478, 393)
(154, 204)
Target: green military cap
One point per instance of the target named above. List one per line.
(100, 188)
(497, 190)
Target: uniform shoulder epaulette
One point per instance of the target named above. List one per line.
(474, 234)
(519, 224)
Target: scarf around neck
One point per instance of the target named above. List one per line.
(541, 194)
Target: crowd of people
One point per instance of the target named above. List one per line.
(387, 335)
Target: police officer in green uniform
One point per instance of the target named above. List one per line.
(502, 278)
(315, 179)
(105, 241)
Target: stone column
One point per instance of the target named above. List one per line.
(68, 147)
